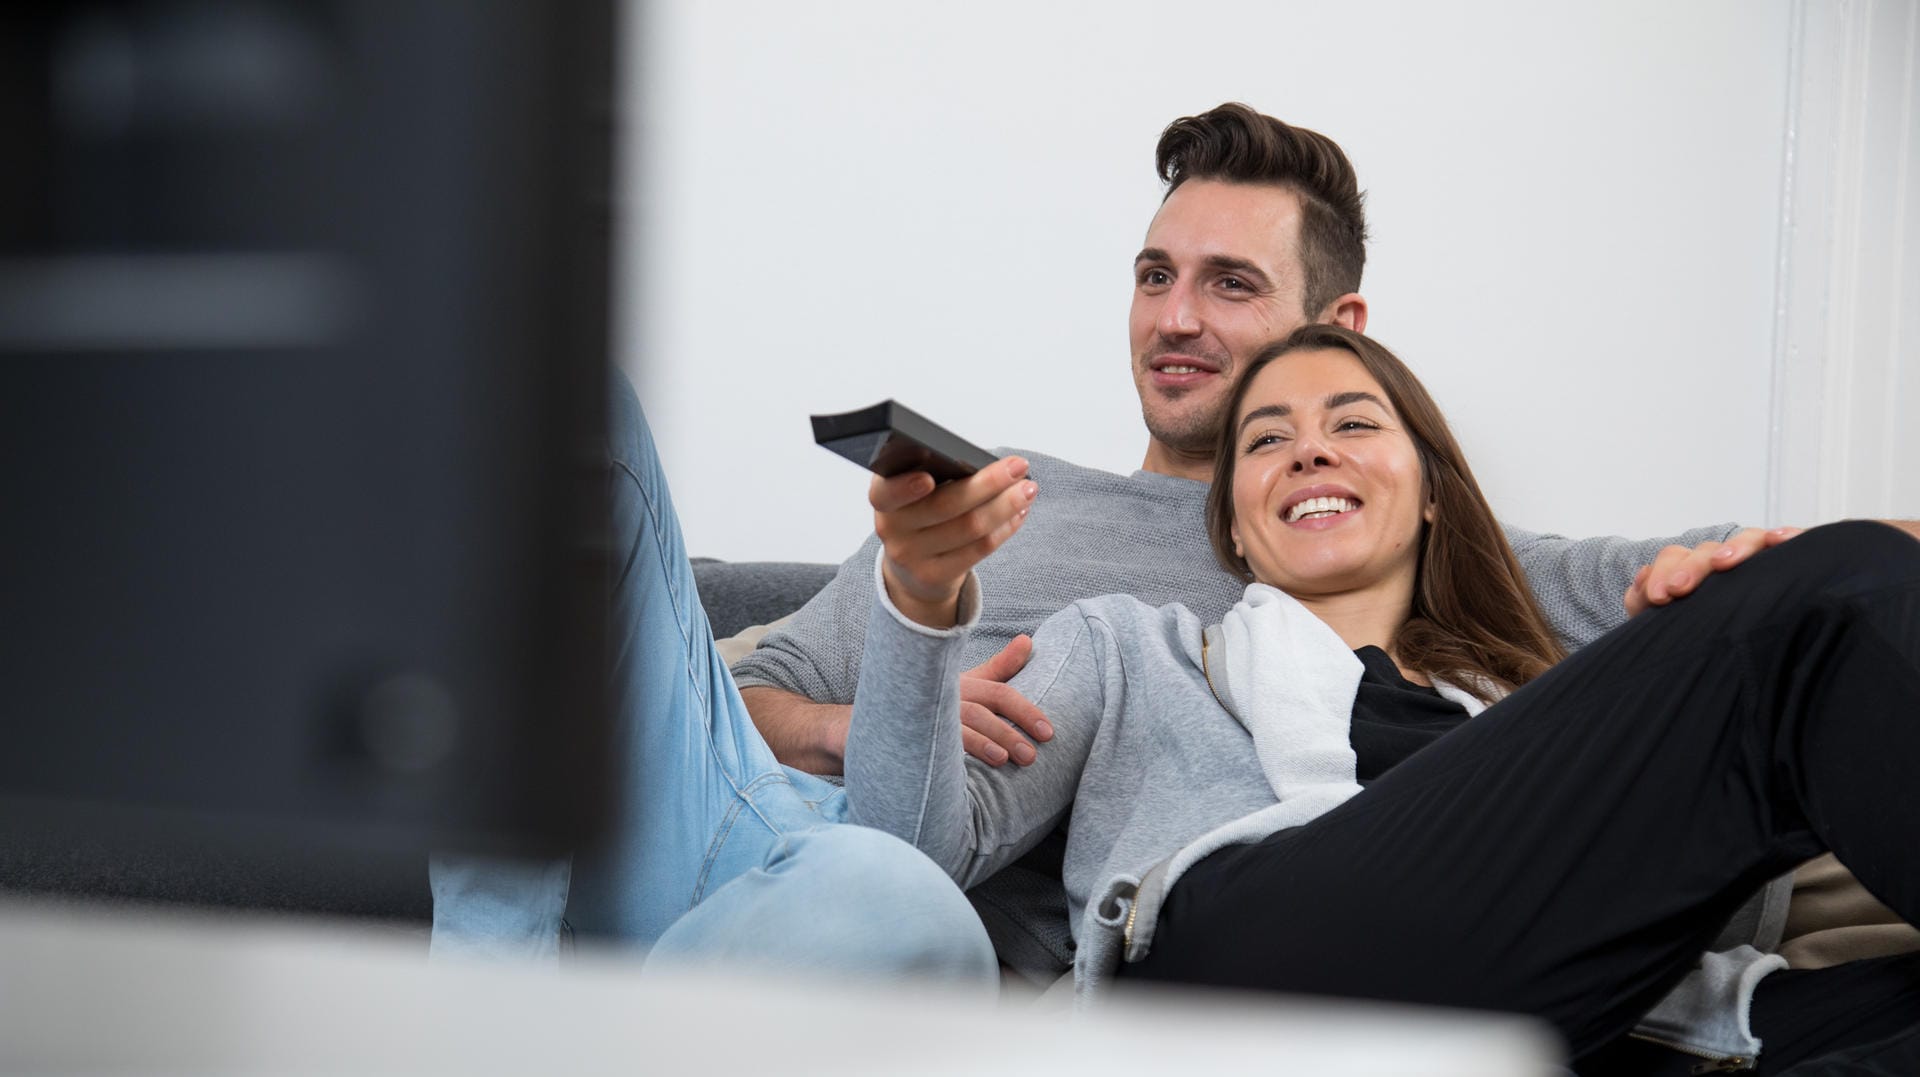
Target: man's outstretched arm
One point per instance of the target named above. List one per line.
(1678, 570)
(1578, 582)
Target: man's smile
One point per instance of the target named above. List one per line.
(1180, 371)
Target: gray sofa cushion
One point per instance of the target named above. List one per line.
(741, 594)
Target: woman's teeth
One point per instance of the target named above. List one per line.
(1320, 506)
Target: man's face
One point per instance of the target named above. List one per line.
(1219, 276)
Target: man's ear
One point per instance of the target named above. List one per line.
(1349, 310)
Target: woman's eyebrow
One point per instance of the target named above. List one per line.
(1354, 396)
(1266, 411)
(1334, 400)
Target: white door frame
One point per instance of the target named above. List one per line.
(1844, 437)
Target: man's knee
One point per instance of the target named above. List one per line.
(880, 899)
(842, 899)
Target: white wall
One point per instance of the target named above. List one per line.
(1575, 210)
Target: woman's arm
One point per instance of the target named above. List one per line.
(906, 772)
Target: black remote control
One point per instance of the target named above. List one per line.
(890, 438)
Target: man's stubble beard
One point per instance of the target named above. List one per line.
(1190, 431)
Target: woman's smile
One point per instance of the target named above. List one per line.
(1316, 508)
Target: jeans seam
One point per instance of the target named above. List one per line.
(654, 527)
(743, 800)
(651, 508)
(769, 778)
(719, 842)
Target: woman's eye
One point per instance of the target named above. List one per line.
(1357, 424)
(1263, 440)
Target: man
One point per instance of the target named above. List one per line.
(1262, 229)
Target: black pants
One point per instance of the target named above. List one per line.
(1570, 852)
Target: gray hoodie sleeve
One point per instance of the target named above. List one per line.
(906, 772)
(1580, 583)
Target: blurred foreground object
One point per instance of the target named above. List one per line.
(169, 994)
(303, 347)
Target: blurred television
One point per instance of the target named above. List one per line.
(303, 373)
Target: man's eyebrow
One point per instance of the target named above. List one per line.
(1232, 264)
(1266, 411)
(1218, 262)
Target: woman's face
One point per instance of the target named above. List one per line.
(1328, 496)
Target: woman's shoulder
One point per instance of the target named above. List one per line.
(1136, 626)
(1129, 609)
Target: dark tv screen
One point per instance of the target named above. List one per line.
(303, 372)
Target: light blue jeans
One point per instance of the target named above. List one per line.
(718, 851)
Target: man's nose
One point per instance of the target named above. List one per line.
(1178, 316)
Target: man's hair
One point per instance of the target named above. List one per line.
(1235, 144)
(1473, 621)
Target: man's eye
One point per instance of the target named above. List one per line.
(1233, 284)
(1155, 277)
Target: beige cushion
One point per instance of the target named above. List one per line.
(734, 648)
(1833, 919)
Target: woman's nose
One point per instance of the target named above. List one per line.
(1311, 452)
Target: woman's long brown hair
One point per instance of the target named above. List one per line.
(1474, 621)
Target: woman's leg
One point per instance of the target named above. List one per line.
(1572, 850)
(704, 804)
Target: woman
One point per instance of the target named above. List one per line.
(1569, 853)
